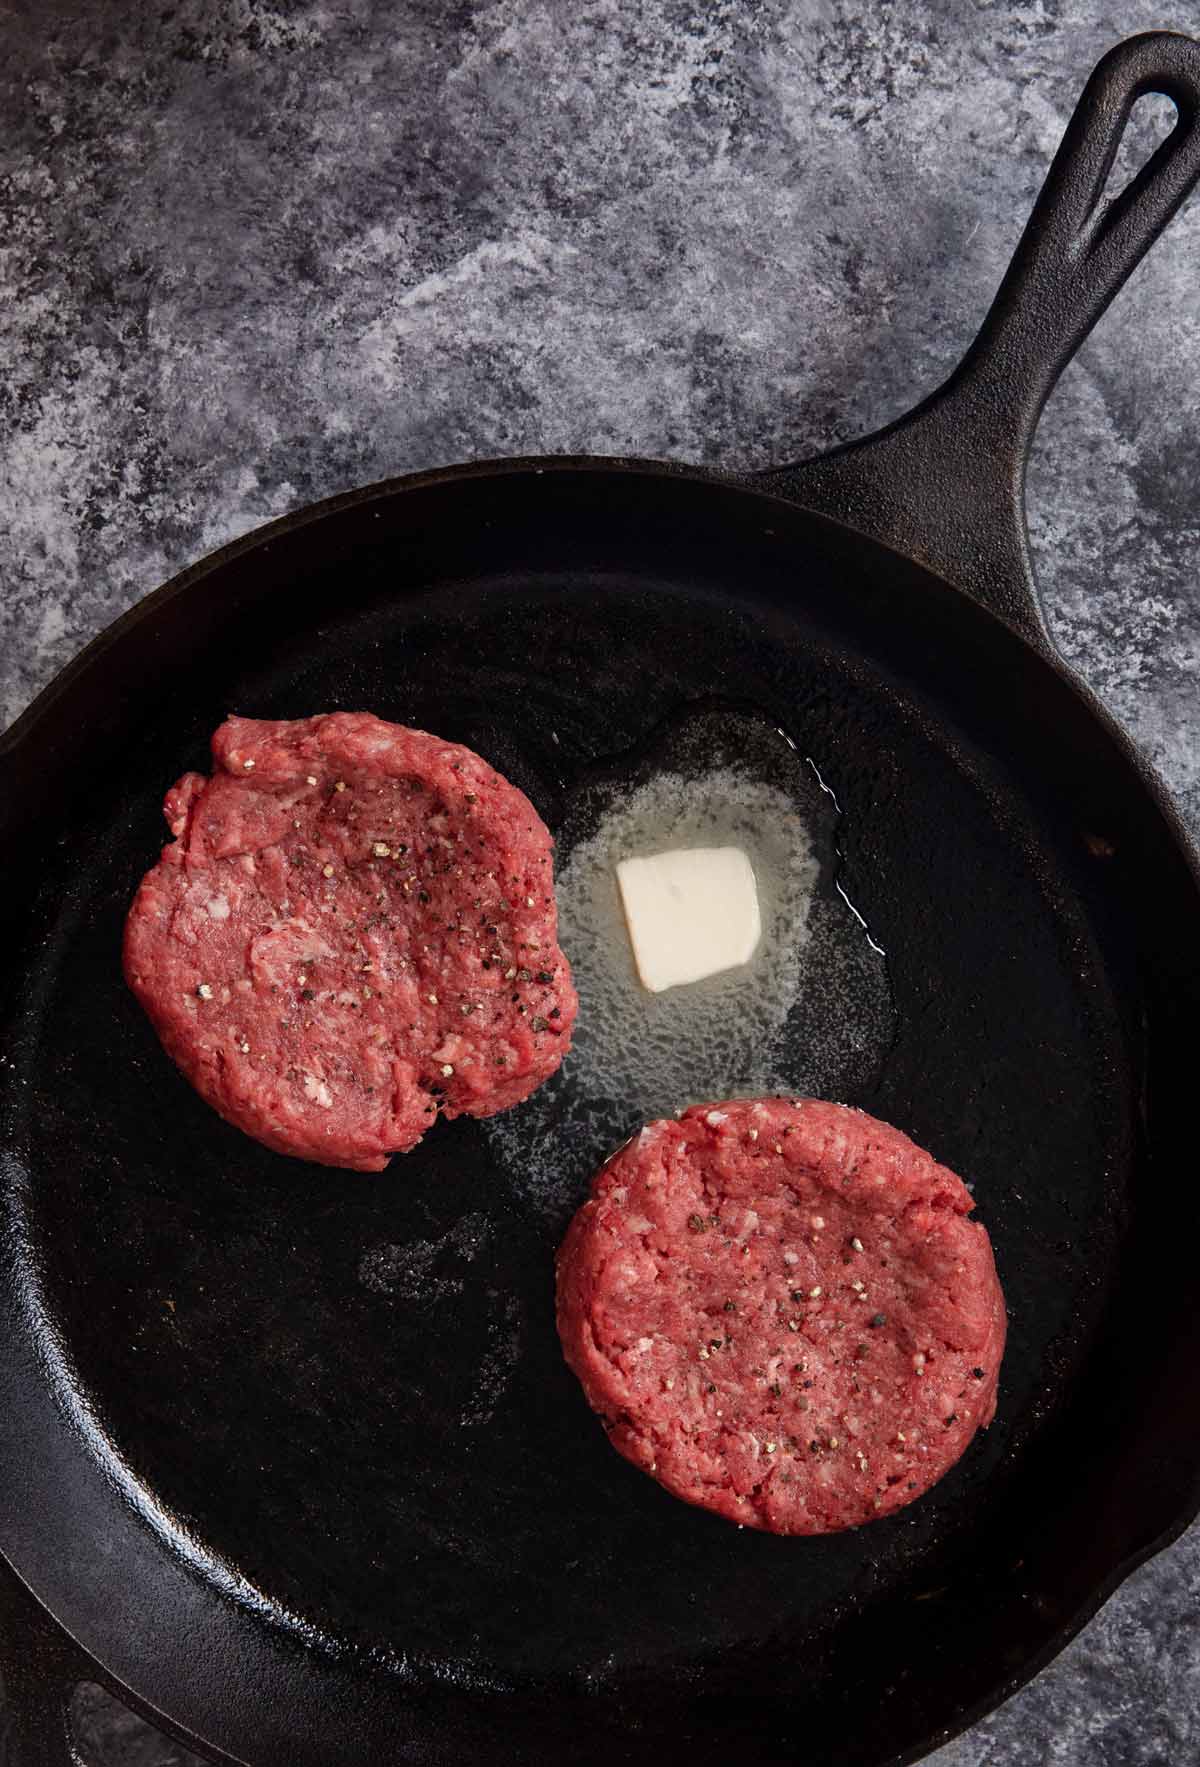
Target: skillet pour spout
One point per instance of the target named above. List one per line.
(945, 484)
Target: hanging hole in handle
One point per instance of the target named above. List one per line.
(105, 1733)
(1153, 118)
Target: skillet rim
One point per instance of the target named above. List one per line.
(764, 485)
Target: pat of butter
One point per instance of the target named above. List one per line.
(691, 913)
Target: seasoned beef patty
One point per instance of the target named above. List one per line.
(352, 930)
(781, 1311)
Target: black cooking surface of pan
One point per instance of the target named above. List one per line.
(292, 1453)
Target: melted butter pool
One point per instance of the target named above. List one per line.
(810, 1013)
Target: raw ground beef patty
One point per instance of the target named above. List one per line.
(781, 1311)
(352, 930)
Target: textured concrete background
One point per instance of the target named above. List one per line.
(252, 254)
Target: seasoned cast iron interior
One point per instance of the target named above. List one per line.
(391, 1452)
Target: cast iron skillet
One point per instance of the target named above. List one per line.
(303, 1518)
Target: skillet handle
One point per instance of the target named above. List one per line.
(41, 1667)
(945, 484)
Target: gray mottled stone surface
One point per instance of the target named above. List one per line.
(251, 254)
